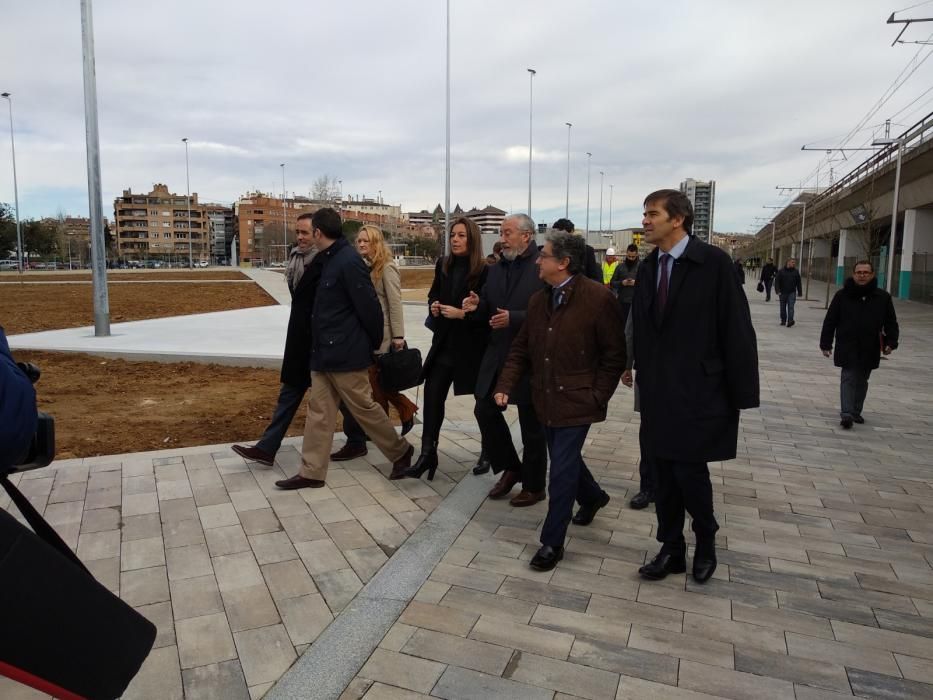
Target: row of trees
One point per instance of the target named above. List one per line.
(43, 239)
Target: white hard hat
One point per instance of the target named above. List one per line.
(610, 251)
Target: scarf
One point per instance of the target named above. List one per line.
(297, 261)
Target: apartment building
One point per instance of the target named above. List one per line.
(157, 225)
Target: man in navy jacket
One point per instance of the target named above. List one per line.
(18, 413)
(346, 328)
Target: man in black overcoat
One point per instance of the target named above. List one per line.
(696, 363)
(503, 303)
(302, 279)
(863, 321)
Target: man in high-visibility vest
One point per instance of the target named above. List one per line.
(609, 265)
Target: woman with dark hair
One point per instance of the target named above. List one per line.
(458, 344)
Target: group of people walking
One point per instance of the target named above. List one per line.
(548, 331)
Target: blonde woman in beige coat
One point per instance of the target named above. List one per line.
(386, 279)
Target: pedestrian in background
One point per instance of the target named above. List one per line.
(623, 279)
(590, 267)
(862, 319)
(767, 277)
(788, 286)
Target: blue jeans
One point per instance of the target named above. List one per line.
(290, 398)
(853, 389)
(787, 306)
(570, 481)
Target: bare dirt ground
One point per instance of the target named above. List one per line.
(417, 278)
(123, 276)
(39, 307)
(104, 406)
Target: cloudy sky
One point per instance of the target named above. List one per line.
(723, 89)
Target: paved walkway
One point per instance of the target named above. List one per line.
(824, 589)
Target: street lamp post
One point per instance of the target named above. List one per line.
(188, 199)
(95, 201)
(19, 233)
(447, 147)
(284, 215)
(610, 207)
(531, 102)
(889, 281)
(567, 200)
(601, 175)
(589, 158)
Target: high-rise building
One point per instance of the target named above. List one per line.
(702, 196)
(222, 228)
(156, 225)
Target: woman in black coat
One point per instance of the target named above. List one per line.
(458, 344)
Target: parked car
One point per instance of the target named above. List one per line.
(8, 265)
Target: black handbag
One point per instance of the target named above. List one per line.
(63, 633)
(399, 369)
(760, 287)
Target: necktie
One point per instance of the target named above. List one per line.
(663, 284)
(557, 295)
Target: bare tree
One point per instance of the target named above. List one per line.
(324, 188)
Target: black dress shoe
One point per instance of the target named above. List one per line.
(482, 466)
(703, 566)
(663, 564)
(547, 558)
(846, 422)
(858, 419)
(641, 500)
(299, 482)
(349, 451)
(586, 514)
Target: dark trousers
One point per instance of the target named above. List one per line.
(852, 389)
(626, 306)
(684, 486)
(570, 481)
(356, 436)
(646, 469)
(787, 306)
(500, 450)
(290, 398)
(436, 387)
(768, 284)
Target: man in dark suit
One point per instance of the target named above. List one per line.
(503, 303)
(573, 344)
(295, 375)
(696, 363)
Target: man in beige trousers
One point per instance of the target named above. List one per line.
(346, 328)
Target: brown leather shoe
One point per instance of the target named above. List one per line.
(504, 485)
(401, 465)
(527, 498)
(299, 482)
(349, 451)
(254, 454)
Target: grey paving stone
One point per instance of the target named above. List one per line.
(288, 579)
(141, 527)
(159, 677)
(366, 561)
(439, 618)
(480, 603)
(876, 685)
(402, 670)
(305, 617)
(192, 561)
(181, 533)
(160, 614)
(144, 586)
(226, 540)
(249, 607)
(204, 640)
(142, 554)
(563, 676)
(265, 653)
(462, 684)
(732, 684)
(100, 520)
(629, 662)
(820, 674)
(338, 587)
(272, 547)
(178, 509)
(545, 594)
(451, 649)
(194, 597)
(222, 680)
(683, 646)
